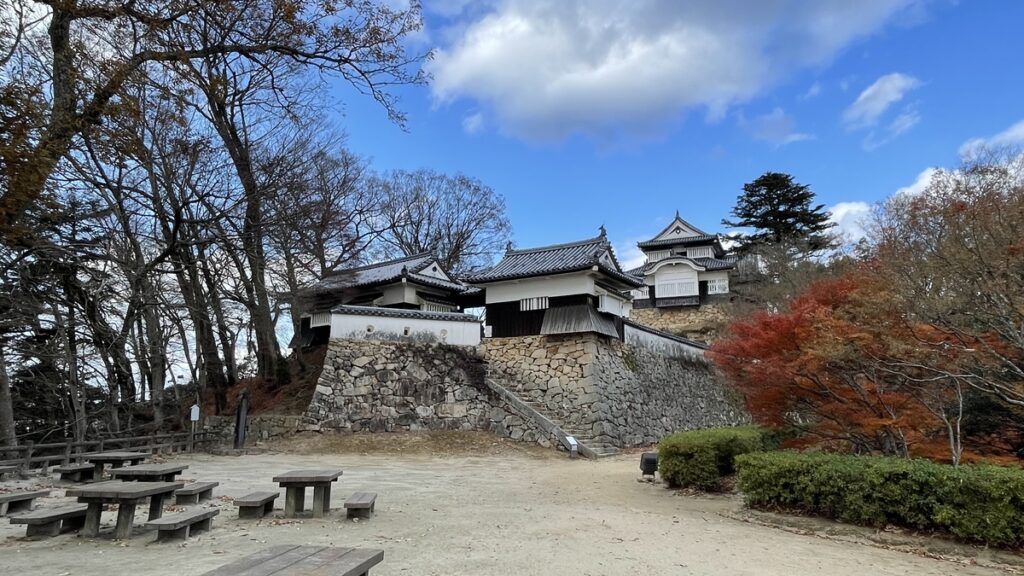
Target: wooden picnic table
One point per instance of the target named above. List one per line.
(115, 459)
(127, 496)
(292, 560)
(149, 472)
(295, 484)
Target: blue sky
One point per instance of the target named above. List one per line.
(619, 112)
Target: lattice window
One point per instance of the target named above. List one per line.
(671, 289)
(539, 303)
(718, 286)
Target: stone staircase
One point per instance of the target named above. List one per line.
(538, 412)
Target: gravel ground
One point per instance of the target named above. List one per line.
(470, 511)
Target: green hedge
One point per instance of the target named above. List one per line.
(979, 503)
(700, 458)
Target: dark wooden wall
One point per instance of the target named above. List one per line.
(505, 318)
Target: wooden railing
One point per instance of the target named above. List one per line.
(30, 455)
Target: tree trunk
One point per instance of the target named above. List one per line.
(269, 364)
(8, 433)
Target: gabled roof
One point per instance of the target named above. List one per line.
(388, 272)
(679, 232)
(708, 264)
(556, 259)
(683, 241)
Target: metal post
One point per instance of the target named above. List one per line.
(241, 418)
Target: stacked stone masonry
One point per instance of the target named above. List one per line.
(703, 323)
(258, 428)
(613, 393)
(381, 386)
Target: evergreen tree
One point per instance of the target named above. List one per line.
(780, 211)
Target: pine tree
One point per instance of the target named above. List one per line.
(780, 211)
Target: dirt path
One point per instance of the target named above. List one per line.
(497, 513)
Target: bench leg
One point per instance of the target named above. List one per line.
(72, 524)
(250, 512)
(321, 500)
(156, 506)
(294, 501)
(185, 499)
(359, 512)
(46, 530)
(20, 505)
(97, 471)
(125, 519)
(268, 508)
(3, 508)
(179, 534)
(92, 520)
(202, 525)
(205, 495)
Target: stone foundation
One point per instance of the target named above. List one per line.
(534, 389)
(702, 323)
(392, 386)
(258, 428)
(613, 393)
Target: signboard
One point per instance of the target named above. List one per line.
(195, 413)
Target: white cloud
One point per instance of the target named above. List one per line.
(775, 127)
(550, 69)
(629, 255)
(905, 121)
(812, 92)
(873, 102)
(920, 183)
(1012, 136)
(473, 123)
(849, 219)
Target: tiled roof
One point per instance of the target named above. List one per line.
(403, 313)
(684, 241)
(708, 264)
(555, 259)
(387, 272)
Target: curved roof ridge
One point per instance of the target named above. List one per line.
(594, 240)
(385, 263)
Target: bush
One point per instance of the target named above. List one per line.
(975, 502)
(700, 458)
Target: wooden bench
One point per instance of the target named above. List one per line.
(76, 472)
(256, 505)
(360, 504)
(19, 501)
(179, 526)
(195, 493)
(289, 560)
(52, 521)
(7, 470)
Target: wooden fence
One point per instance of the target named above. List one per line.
(30, 455)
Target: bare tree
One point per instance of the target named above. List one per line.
(94, 48)
(458, 218)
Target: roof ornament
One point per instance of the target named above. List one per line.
(677, 212)
(508, 247)
(405, 271)
(604, 233)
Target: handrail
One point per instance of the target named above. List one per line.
(27, 454)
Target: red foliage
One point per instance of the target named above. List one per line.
(843, 364)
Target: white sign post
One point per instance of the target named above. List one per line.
(194, 417)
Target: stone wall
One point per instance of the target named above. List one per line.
(618, 394)
(703, 323)
(388, 386)
(258, 428)
(556, 372)
(645, 396)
